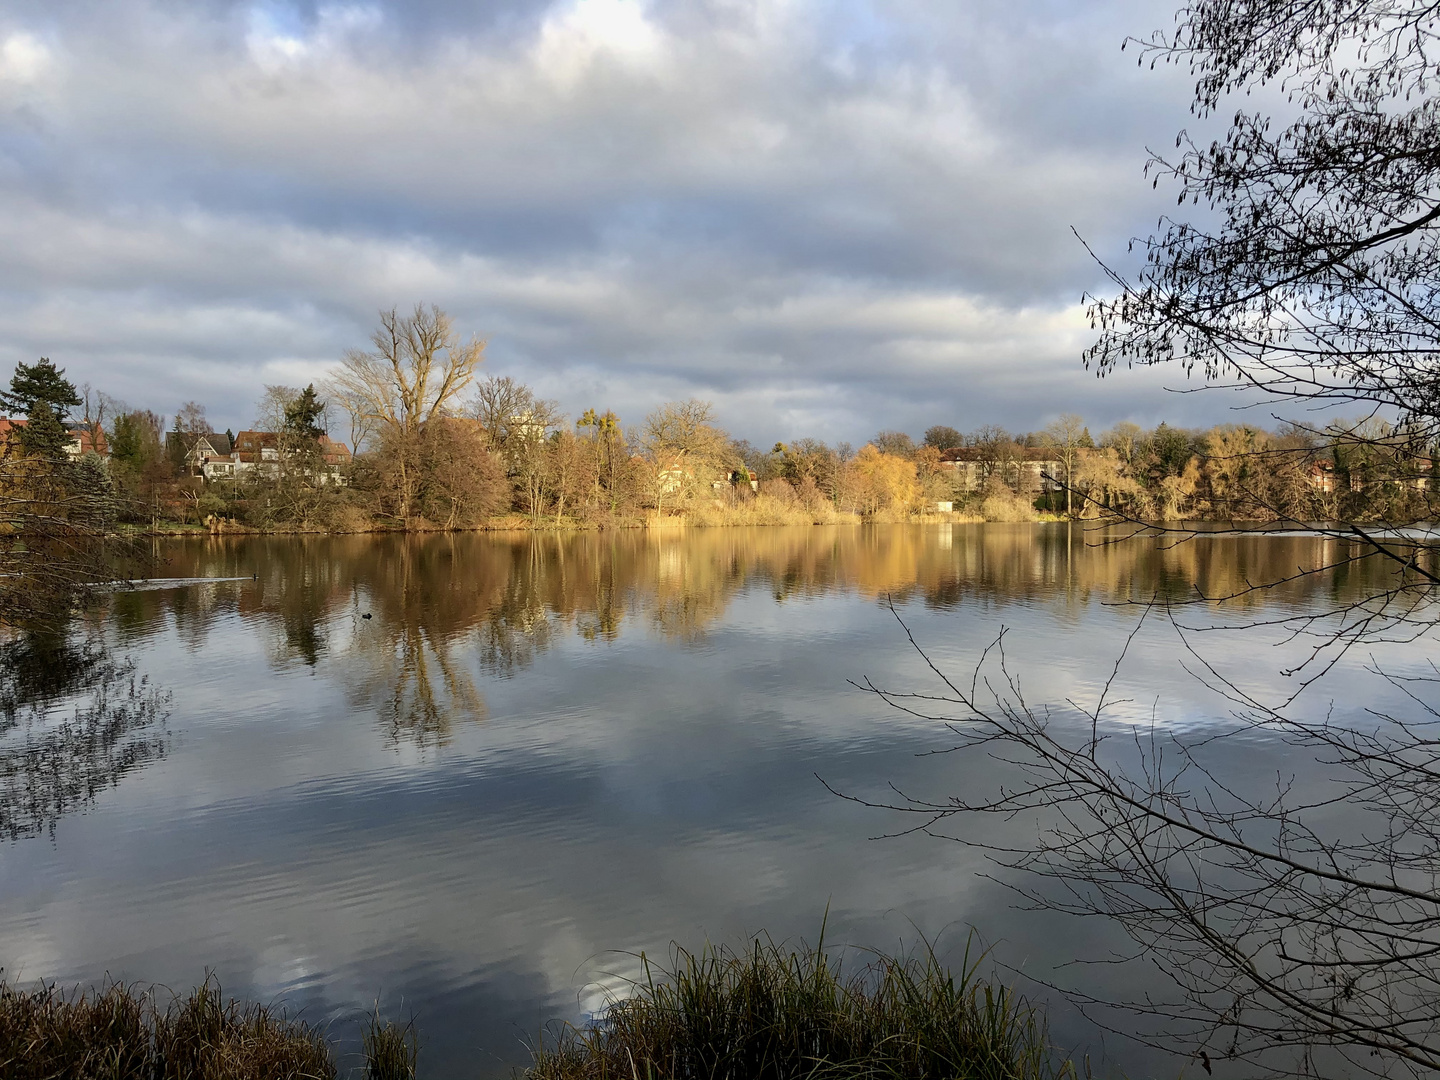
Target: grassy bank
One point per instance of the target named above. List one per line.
(769, 1013)
(765, 1013)
(125, 1033)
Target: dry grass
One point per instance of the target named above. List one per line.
(768, 509)
(121, 1033)
(391, 1051)
(774, 1014)
(1005, 505)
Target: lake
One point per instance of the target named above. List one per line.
(470, 777)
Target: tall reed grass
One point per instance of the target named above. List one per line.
(121, 1033)
(391, 1051)
(765, 509)
(770, 1013)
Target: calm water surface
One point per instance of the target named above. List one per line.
(541, 754)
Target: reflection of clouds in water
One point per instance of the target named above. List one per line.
(623, 792)
(285, 969)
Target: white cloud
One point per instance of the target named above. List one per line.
(586, 32)
(23, 58)
(808, 213)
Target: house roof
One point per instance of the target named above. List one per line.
(251, 445)
(336, 453)
(91, 439)
(79, 432)
(219, 442)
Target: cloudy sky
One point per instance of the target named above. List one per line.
(826, 216)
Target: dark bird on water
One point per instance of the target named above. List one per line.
(366, 615)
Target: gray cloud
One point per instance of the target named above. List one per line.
(828, 218)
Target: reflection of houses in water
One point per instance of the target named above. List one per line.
(671, 563)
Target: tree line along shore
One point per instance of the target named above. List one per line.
(428, 445)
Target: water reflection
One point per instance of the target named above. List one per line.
(415, 623)
(502, 598)
(73, 721)
(538, 748)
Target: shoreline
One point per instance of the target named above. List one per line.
(519, 524)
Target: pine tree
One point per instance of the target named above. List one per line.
(302, 416)
(43, 434)
(39, 382)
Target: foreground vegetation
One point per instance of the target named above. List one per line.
(123, 1033)
(770, 1013)
(767, 1013)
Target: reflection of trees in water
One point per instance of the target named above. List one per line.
(449, 609)
(409, 660)
(73, 721)
(518, 626)
(415, 683)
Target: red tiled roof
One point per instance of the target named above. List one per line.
(79, 433)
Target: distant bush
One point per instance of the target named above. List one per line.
(1005, 505)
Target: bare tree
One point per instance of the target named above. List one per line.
(357, 411)
(607, 442)
(895, 443)
(572, 470)
(684, 446)
(500, 404)
(1064, 438)
(415, 373)
(943, 437)
(998, 452)
(96, 406)
(191, 419)
(518, 424)
(270, 410)
(1126, 439)
(527, 450)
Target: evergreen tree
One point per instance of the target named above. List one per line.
(40, 382)
(302, 416)
(43, 434)
(125, 441)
